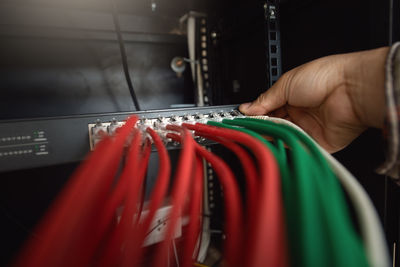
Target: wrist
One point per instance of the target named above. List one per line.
(364, 75)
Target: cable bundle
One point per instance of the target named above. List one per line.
(293, 211)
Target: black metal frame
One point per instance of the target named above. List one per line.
(226, 33)
(202, 51)
(273, 43)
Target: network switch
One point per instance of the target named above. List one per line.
(57, 140)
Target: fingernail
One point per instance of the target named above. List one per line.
(245, 106)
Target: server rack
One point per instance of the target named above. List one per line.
(281, 31)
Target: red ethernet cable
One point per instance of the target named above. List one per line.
(251, 175)
(97, 227)
(82, 253)
(194, 227)
(137, 237)
(233, 203)
(113, 251)
(35, 251)
(249, 169)
(104, 220)
(267, 237)
(144, 163)
(179, 192)
(64, 224)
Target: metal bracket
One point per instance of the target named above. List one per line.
(273, 43)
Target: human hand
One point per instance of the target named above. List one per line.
(334, 98)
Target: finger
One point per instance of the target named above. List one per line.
(272, 99)
(280, 113)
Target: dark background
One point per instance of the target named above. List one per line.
(61, 57)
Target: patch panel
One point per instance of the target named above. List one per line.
(100, 129)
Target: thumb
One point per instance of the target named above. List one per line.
(272, 99)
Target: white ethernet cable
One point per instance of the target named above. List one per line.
(205, 239)
(371, 229)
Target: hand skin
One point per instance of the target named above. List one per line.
(334, 98)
